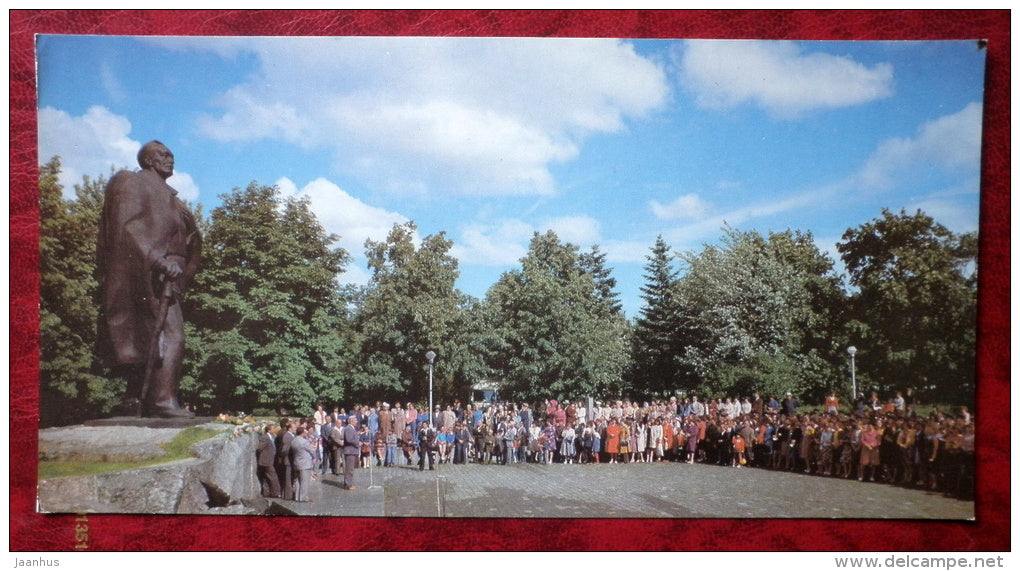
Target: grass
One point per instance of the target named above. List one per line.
(177, 449)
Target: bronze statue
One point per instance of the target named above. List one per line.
(148, 250)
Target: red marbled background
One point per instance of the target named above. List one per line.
(35, 532)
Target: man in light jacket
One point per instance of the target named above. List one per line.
(302, 459)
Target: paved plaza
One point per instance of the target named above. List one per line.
(658, 490)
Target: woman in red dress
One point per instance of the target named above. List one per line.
(613, 440)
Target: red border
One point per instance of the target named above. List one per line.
(33, 532)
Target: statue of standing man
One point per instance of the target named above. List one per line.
(148, 251)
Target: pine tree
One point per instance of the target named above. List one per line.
(656, 333)
(594, 263)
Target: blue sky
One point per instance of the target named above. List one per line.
(608, 142)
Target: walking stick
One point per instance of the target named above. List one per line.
(150, 363)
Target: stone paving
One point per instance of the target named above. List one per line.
(658, 490)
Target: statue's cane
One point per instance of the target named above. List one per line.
(150, 363)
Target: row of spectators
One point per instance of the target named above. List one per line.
(875, 442)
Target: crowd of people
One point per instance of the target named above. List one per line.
(874, 441)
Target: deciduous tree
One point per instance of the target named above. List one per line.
(755, 312)
(410, 307)
(73, 386)
(268, 322)
(557, 333)
(915, 304)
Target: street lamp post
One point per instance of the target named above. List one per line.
(431, 356)
(853, 373)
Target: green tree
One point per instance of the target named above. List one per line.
(593, 263)
(268, 325)
(411, 307)
(915, 304)
(73, 386)
(756, 315)
(656, 332)
(557, 333)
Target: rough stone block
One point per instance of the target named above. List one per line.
(220, 480)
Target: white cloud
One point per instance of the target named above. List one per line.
(948, 143)
(505, 242)
(111, 84)
(581, 231)
(246, 119)
(691, 235)
(355, 274)
(496, 152)
(93, 144)
(957, 215)
(184, 185)
(88, 145)
(342, 214)
(627, 251)
(778, 76)
(686, 207)
(501, 244)
(457, 115)
(956, 207)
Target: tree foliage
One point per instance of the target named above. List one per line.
(756, 313)
(657, 339)
(915, 304)
(411, 307)
(593, 263)
(558, 333)
(267, 322)
(268, 325)
(72, 384)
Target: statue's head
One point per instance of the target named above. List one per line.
(156, 156)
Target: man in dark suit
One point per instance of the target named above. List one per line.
(325, 434)
(462, 436)
(426, 441)
(283, 465)
(352, 450)
(265, 456)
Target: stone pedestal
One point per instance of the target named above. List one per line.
(219, 480)
(151, 422)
